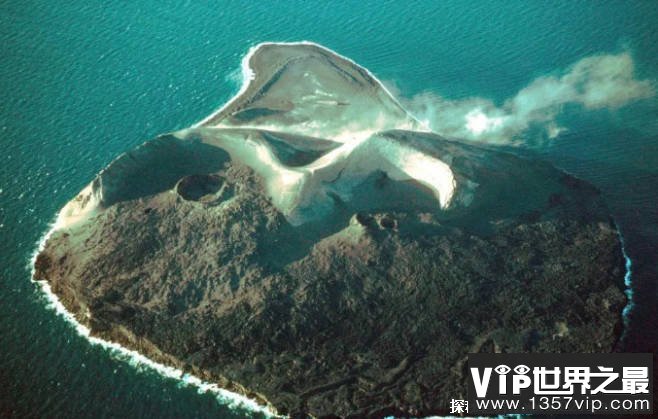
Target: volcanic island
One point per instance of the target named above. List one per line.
(312, 246)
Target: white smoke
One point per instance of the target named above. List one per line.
(595, 82)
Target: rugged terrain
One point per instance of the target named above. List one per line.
(310, 246)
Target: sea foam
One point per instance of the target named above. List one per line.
(627, 282)
(134, 358)
(413, 165)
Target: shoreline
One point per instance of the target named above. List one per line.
(248, 75)
(628, 284)
(228, 398)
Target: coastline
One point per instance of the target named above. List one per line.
(231, 399)
(248, 75)
(628, 283)
(227, 397)
(134, 358)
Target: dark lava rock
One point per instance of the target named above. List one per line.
(358, 295)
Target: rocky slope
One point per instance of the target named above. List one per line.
(344, 275)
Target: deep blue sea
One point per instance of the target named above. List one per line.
(84, 81)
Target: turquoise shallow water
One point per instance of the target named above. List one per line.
(82, 83)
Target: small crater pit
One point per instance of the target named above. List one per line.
(388, 222)
(204, 188)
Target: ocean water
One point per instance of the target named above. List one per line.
(83, 82)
